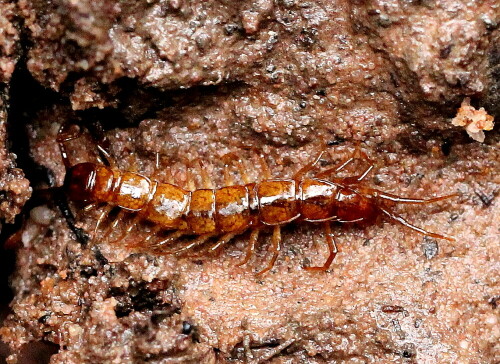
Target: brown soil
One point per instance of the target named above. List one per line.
(197, 80)
(14, 189)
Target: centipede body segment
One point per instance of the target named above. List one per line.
(232, 210)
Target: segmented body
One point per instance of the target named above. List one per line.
(231, 210)
(224, 210)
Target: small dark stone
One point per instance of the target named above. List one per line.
(100, 258)
(493, 301)
(271, 68)
(407, 354)
(115, 291)
(88, 271)
(430, 247)
(408, 350)
(336, 141)
(187, 328)
(123, 308)
(446, 147)
(43, 319)
(486, 199)
(230, 29)
(158, 317)
(308, 37)
(384, 21)
(489, 23)
(445, 51)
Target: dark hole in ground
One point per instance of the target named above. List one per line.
(26, 97)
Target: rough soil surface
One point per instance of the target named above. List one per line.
(291, 77)
(14, 189)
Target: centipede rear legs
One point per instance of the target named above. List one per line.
(332, 246)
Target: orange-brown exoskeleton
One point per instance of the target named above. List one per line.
(229, 211)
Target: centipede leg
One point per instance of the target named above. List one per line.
(301, 172)
(205, 178)
(332, 248)
(254, 236)
(144, 242)
(157, 164)
(227, 159)
(190, 182)
(405, 200)
(402, 221)
(173, 236)
(104, 213)
(335, 169)
(113, 225)
(266, 171)
(226, 238)
(358, 154)
(130, 226)
(196, 242)
(228, 179)
(107, 156)
(90, 207)
(276, 248)
(264, 167)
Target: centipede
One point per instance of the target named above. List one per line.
(223, 213)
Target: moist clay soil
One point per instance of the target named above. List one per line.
(193, 82)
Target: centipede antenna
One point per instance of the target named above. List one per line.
(62, 138)
(402, 221)
(68, 215)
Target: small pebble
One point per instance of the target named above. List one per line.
(42, 215)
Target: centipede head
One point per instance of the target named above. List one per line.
(79, 182)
